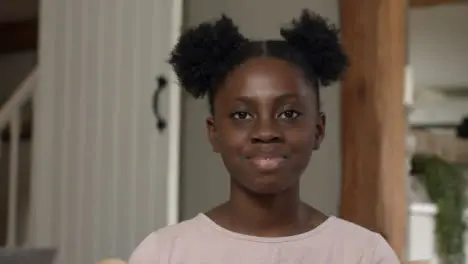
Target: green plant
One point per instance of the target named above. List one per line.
(445, 186)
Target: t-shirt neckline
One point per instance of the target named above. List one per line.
(320, 228)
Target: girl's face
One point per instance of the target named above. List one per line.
(266, 125)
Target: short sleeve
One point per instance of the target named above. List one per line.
(147, 251)
(383, 253)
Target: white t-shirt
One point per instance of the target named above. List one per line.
(200, 240)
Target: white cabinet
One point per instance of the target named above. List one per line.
(103, 176)
(421, 232)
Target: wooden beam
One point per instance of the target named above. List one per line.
(18, 36)
(373, 118)
(427, 3)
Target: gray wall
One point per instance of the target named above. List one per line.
(438, 46)
(204, 179)
(438, 52)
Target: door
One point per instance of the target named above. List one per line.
(104, 176)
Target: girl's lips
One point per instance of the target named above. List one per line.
(267, 163)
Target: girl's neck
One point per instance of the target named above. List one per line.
(281, 214)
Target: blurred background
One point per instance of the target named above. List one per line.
(96, 173)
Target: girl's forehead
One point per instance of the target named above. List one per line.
(265, 77)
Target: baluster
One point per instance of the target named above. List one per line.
(15, 130)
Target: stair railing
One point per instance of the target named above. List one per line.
(10, 116)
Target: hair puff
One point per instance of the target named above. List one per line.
(318, 42)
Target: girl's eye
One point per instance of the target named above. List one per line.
(290, 114)
(241, 115)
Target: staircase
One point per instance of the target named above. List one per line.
(15, 153)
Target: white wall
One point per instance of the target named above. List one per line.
(204, 179)
(438, 45)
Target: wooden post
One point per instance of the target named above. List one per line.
(373, 118)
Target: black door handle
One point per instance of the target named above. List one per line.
(161, 123)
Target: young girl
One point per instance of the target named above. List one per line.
(265, 122)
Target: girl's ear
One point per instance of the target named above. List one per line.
(320, 130)
(212, 133)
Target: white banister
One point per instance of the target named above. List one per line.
(10, 116)
(22, 94)
(15, 130)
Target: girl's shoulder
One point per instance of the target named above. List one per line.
(156, 247)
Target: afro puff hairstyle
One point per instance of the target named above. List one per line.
(205, 55)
